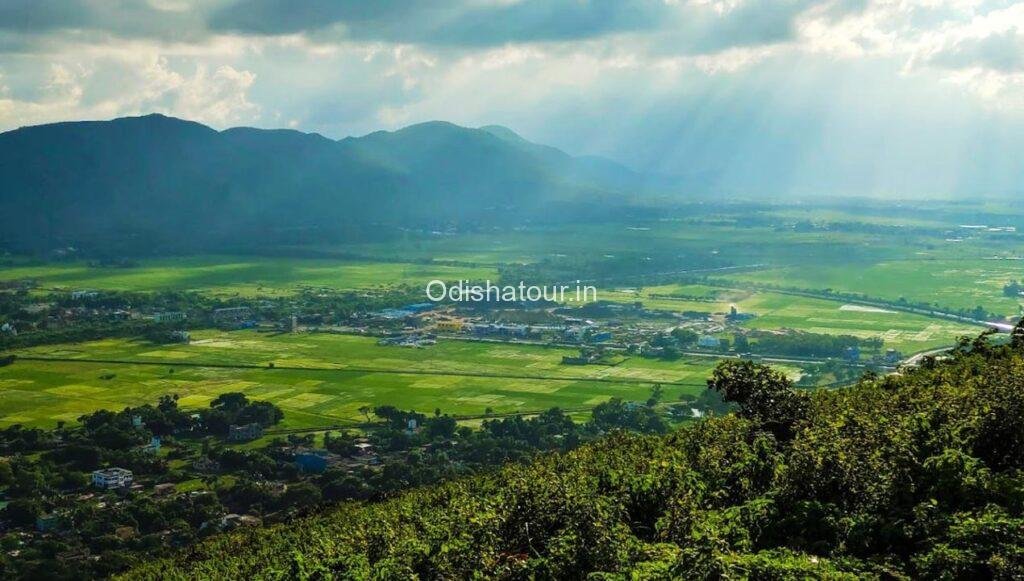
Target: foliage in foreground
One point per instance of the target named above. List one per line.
(911, 476)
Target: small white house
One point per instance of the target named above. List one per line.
(111, 478)
(709, 342)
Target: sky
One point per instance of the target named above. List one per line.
(745, 97)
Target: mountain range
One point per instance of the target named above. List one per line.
(156, 182)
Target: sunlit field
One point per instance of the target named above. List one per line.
(242, 276)
(965, 283)
(322, 380)
(906, 332)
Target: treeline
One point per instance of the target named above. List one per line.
(67, 318)
(623, 267)
(915, 475)
(804, 344)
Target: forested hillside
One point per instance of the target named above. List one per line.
(907, 476)
(140, 185)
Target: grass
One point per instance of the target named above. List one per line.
(951, 283)
(906, 332)
(330, 377)
(243, 276)
(337, 380)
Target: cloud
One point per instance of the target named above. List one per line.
(130, 85)
(470, 23)
(682, 25)
(1002, 52)
(25, 23)
(43, 15)
(794, 94)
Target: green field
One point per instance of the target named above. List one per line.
(956, 283)
(243, 276)
(923, 259)
(906, 332)
(322, 380)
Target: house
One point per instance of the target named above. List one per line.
(205, 464)
(164, 489)
(501, 330)
(244, 433)
(153, 447)
(392, 314)
(585, 357)
(233, 521)
(852, 354)
(168, 317)
(450, 326)
(311, 462)
(709, 342)
(364, 448)
(736, 315)
(232, 314)
(112, 478)
(601, 337)
(48, 522)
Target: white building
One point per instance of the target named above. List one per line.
(709, 342)
(111, 478)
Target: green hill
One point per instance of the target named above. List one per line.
(910, 476)
(144, 184)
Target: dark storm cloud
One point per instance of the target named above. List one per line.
(673, 26)
(42, 15)
(286, 17)
(456, 23)
(31, 23)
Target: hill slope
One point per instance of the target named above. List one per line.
(156, 182)
(914, 476)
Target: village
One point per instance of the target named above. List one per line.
(597, 328)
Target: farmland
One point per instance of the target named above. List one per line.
(963, 283)
(236, 276)
(321, 380)
(906, 332)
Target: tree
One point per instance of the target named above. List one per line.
(230, 402)
(656, 394)
(23, 511)
(763, 394)
(442, 427)
(741, 343)
(1017, 336)
(684, 336)
(301, 495)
